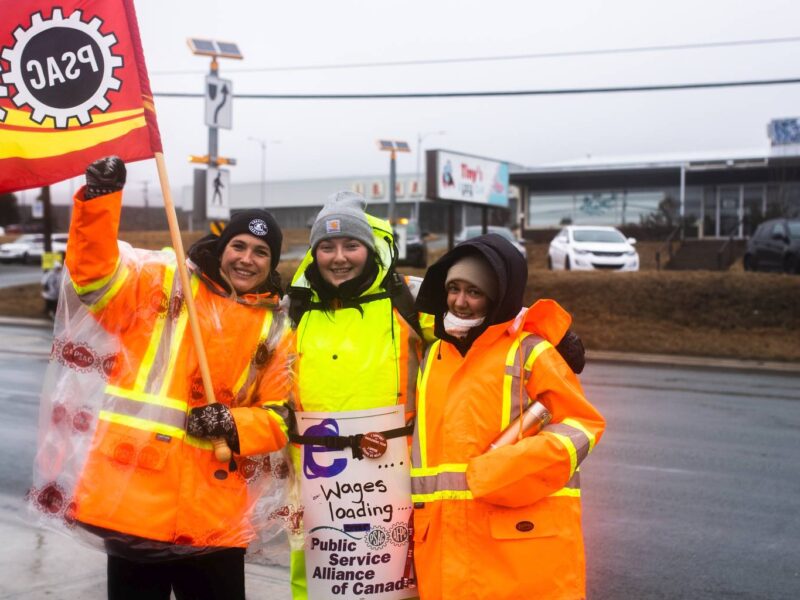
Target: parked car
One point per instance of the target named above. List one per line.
(587, 248)
(472, 231)
(29, 247)
(775, 246)
(416, 246)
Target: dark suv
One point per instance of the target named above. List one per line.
(775, 246)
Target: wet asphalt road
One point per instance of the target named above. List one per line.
(12, 274)
(694, 492)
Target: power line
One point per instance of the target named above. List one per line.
(539, 55)
(478, 94)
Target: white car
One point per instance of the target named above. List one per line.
(589, 248)
(472, 231)
(29, 247)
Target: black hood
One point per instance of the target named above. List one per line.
(510, 267)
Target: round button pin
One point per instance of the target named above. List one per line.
(373, 444)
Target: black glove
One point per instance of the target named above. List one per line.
(572, 351)
(213, 421)
(104, 176)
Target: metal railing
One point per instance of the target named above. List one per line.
(727, 247)
(667, 245)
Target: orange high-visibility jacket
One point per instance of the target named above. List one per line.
(144, 476)
(505, 523)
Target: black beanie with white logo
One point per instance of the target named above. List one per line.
(258, 223)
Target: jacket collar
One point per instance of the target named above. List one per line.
(545, 318)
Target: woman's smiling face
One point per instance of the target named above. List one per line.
(340, 259)
(465, 300)
(245, 262)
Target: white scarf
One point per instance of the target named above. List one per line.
(458, 327)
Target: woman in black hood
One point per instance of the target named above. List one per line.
(510, 270)
(477, 500)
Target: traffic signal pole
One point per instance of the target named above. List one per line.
(213, 131)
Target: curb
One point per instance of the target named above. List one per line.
(697, 362)
(608, 356)
(26, 322)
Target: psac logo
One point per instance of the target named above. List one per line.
(311, 468)
(61, 68)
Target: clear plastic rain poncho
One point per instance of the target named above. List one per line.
(114, 466)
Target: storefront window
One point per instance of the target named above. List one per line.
(596, 208)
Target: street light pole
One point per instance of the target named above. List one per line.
(263, 144)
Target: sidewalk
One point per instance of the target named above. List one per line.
(58, 567)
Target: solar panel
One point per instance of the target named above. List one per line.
(402, 147)
(214, 48)
(200, 46)
(229, 50)
(386, 144)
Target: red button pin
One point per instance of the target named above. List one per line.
(373, 444)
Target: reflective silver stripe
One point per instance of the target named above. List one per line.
(578, 438)
(428, 484)
(162, 356)
(145, 410)
(281, 410)
(90, 294)
(528, 343)
(574, 481)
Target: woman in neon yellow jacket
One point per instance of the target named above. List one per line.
(355, 349)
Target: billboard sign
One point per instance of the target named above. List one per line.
(466, 178)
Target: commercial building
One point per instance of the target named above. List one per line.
(714, 196)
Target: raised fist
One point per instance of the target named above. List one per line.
(104, 176)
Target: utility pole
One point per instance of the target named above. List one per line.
(47, 219)
(218, 114)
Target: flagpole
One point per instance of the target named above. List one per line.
(221, 450)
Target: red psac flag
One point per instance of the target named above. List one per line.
(73, 88)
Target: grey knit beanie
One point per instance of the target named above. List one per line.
(343, 216)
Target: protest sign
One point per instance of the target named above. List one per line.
(357, 511)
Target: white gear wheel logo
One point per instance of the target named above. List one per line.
(24, 95)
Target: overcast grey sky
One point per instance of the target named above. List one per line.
(321, 138)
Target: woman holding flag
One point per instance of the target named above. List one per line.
(126, 450)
